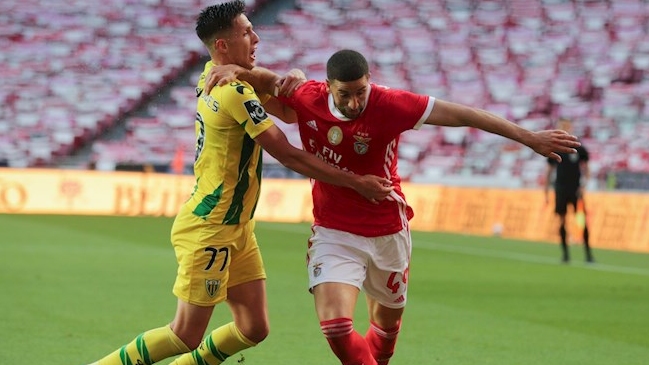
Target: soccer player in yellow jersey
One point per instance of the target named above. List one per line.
(213, 234)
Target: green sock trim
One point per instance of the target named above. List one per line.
(214, 350)
(143, 350)
(123, 356)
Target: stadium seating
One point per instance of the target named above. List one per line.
(529, 61)
(72, 70)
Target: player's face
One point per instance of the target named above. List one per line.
(242, 43)
(350, 96)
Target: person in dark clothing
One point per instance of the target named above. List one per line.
(571, 175)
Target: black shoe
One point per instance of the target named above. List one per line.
(565, 260)
(590, 259)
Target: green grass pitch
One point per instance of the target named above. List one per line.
(76, 288)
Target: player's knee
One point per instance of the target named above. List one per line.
(191, 340)
(256, 333)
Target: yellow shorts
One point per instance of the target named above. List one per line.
(213, 257)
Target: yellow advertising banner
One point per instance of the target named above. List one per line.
(41, 191)
(616, 220)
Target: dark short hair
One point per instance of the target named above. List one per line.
(217, 18)
(346, 65)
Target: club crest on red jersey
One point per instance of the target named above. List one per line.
(361, 145)
(335, 135)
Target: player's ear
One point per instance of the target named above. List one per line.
(328, 86)
(221, 45)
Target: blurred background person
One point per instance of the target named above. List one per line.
(570, 176)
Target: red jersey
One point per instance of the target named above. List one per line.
(365, 145)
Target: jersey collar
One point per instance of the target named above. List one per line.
(337, 114)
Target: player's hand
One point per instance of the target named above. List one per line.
(221, 75)
(549, 142)
(373, 188)
(290, 82)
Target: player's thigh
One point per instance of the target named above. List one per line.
(247, 263)
(335, 300)
(336, 257)
(387, 270)
(246, 294)
(382, 316)
(190, 322)
(204, 252)
(249, 308)
(336, 265)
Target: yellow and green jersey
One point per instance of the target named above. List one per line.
(228, 162)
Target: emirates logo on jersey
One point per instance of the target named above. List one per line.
(361, 145)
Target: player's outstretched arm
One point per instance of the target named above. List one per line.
(273, 140)
(546, 143)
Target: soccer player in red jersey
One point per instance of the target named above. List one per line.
(219, 261)
(355, 125)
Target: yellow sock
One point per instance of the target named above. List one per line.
(147, 348)
(222, 343)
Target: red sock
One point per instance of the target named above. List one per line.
(382, 342)
(348, 345)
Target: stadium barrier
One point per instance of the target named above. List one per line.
(617, 220)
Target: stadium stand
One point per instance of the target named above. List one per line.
(72, 69)
(528, 61)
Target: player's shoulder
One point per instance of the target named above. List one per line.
(238, 88)
(309, 92)
(312, 87)
(380, 91)
(234, 92)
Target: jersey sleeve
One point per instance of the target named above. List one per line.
(241, 102)
(303, 94)
(408, 109)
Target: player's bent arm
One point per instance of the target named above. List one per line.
(262, 79)
(269, 82)
(275, 142)
(280, 110)
(546, 143)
